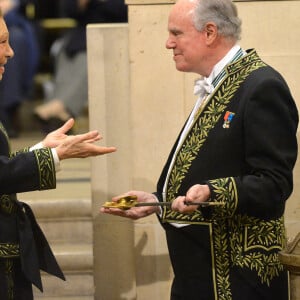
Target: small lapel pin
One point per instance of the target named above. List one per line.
(227, 119)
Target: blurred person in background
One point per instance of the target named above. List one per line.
(17, 85)
(69, 95)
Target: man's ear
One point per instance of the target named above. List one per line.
(211, 31)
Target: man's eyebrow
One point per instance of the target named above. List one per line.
(174, 30)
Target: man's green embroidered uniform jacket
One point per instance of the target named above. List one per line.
(243, 145)
(20, 235)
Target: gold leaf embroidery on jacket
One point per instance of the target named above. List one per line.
(222, 261)
(225, 191)
(255, 246)
(7, 204)
(3, 130)
(9, 250)
(205, 121)
(46, 168)
(251, 242)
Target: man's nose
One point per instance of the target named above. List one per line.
(10, 52)
(170, 43)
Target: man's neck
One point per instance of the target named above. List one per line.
(218, 53)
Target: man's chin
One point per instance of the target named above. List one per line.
(181, 68)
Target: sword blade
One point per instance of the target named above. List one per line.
(153, 204)
(170, 203)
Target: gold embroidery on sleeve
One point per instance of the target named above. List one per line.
(46, 168)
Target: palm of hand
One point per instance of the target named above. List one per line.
(54, 139)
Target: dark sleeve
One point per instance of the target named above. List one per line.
(27, 171)
(269, 132)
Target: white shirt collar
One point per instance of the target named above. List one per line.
(222, 63)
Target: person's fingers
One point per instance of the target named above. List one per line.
(77, 146)
(93, 150)
(105, 150)
(88, 136)
(95, 139)
(82, 150)
(67, 126)
(116, 198)
(133, 214)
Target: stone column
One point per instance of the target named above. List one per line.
(109, 111)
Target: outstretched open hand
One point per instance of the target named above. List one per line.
(75, 146)
(54, 138)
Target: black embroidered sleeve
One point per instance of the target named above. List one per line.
(46, 168)
(223, 190)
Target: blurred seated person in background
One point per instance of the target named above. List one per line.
(69, 95)
(17, 84)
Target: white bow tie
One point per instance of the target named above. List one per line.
(202, 87)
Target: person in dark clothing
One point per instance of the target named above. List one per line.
(68, 97)
(24, 250)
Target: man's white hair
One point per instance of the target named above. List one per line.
(221, 12)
